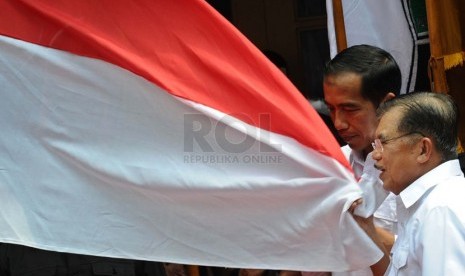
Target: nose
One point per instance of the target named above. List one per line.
(339, 120)
(376, 155)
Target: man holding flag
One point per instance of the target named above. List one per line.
(153, 130)
(356, 82)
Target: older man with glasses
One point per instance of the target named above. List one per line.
(415, 150)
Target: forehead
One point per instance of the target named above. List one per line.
(343, 88)
(389, 122)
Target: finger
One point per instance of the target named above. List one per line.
(354, 205)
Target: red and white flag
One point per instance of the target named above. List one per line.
(154, 130)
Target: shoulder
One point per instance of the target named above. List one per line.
(449, 193)
(445, 201)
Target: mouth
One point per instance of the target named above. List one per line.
(381, 169)
(347, 138)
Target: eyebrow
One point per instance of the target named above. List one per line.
(343, 104)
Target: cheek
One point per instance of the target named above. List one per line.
(394, 174)
(364, 123)
(369, 120)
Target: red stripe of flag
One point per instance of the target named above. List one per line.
(183, 46)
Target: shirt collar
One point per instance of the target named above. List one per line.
(419, 187)
(356, 160)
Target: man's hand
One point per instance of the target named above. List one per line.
(369, 227)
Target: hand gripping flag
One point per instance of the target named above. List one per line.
(154, 130)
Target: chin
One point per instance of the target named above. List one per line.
(388, 187)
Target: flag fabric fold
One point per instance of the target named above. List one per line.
(154, 130)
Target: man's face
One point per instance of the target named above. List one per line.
(397, 159)
(354, 117)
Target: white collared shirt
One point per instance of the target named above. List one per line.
(431, 224)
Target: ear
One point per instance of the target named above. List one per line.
(388, 97)
(425, 150)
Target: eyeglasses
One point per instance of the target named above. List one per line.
(378, 143)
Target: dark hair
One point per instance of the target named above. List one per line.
(434, 115)
(378, 69)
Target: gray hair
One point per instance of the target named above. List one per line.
(434, 115)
